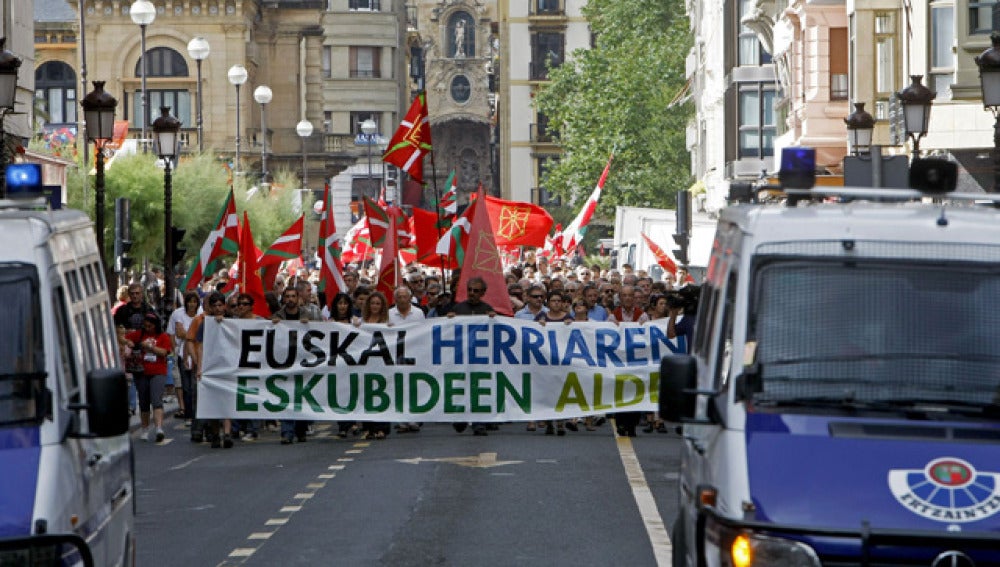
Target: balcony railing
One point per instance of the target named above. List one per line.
(540, 134)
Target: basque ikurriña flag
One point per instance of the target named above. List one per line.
(331, 273)
(223, 240)
(573, 235)
(412, 140)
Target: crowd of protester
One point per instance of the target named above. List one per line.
(161, 349)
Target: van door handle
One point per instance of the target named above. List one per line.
(94, 458)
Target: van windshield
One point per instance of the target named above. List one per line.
(22, 357)
(878, 331)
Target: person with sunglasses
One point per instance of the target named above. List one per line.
(293, 310)
(534, 303)
(473, 305)
(213, 305)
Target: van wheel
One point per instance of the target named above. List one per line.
(679, 542)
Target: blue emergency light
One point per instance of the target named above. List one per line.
(24, 180)
(798, 168)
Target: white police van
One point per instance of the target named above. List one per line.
(841, 404)
(67, 492)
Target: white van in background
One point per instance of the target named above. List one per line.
(67, 496)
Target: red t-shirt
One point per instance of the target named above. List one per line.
(152, 364)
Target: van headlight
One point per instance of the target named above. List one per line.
(731, 547)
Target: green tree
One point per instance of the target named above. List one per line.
(199, 184)
(620, 96)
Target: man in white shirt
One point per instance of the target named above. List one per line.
(403, 311)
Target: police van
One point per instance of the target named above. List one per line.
(67, 494)
(841, 403)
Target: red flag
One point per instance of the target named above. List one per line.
(424, 226)
(517, 223)
(378, 223)
(483, 259)
(412, 140)
(288, 246)
(331, 272)
(661, 257)
(222, 241)
(249, 277)
(573, 234)
(388, 273)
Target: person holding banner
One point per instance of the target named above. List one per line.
(374, 312)
(343, 312)
(473, 305)
(293, 310)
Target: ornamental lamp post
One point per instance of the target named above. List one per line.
(860, 125)
(304, 129)
(9, 65)
(99, 115)
(916, 100)
(237, 76)
(263, 95)
(989, 77)
(166, 129)
(143, 13)
(368, 128)
(199, 49)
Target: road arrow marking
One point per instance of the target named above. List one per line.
(480, 461)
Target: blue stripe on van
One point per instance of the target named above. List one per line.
(20, 450)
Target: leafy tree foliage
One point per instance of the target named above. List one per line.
(200, 184)
(619, 97)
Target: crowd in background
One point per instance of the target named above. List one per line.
(163, 349)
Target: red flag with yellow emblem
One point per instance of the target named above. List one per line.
(412, 140)
(517, 223)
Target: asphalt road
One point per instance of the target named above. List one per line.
(429, 498)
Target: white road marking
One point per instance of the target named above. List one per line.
(657, 532)
(184, 464)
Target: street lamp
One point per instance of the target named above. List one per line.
(262, 95)
(143, 13)
(165, 128)
(916, 100)
(237, 76)
(304, 129)
(199, 49)
(9, 64)
(989, 77)
(368, 128)
(99, 115)
(860, 125)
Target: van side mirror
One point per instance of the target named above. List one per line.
(107, 402)
(678, 386)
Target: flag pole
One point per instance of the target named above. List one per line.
(440, 220)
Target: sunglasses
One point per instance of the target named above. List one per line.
(474, 289)
(244, 303)
(217, 303)
(537, 296)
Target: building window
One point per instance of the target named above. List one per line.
(751, 52)
(365, 62)
(461, 35)
(546, 53)
(757, 124)
(327, 122)
(364, 5)
(326, 62)
(885, 54)
(546, 7)
(942, 73)
(545, 198)
(164, 63)
(838, 63)
(981, 17)
(358, 117)
(55, 88)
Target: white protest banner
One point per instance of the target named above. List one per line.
(460, 369)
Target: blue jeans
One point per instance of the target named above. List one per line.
(293, 428)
